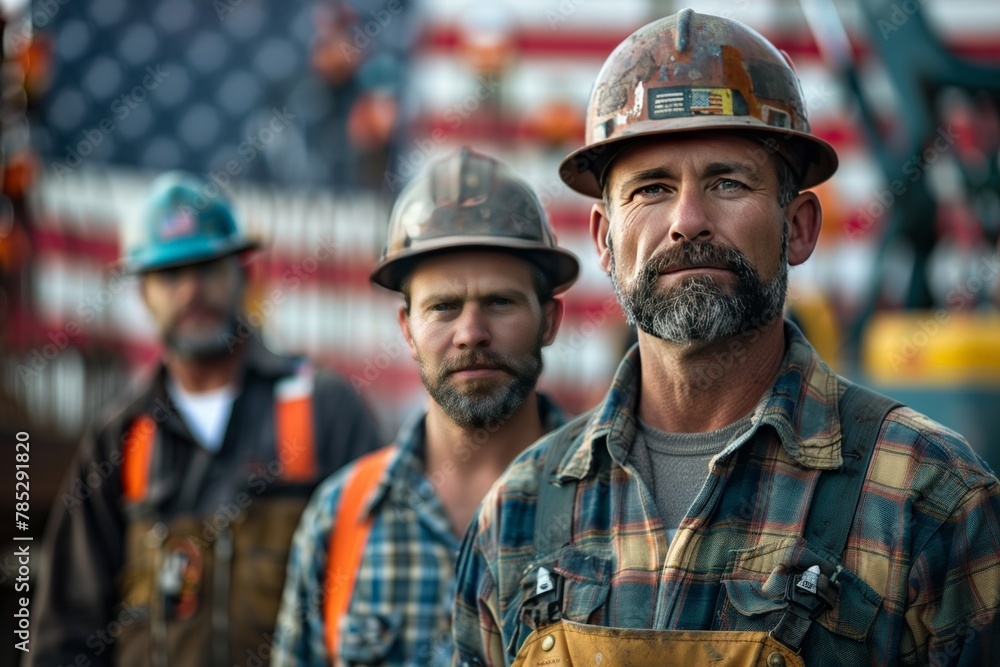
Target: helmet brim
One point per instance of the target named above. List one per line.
(184, 253)
(582, 169)
(561, 266)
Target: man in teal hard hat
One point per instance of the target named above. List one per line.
(169, 541)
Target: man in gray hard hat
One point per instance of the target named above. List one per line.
(170, 541)
(371, 573)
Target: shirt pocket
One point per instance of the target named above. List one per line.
(368, 639)
(583, 577)
(752, 597)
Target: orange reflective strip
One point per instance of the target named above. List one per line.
(348, 539)
(293, 427)
(136, 455)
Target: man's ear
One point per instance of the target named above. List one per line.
(404, 326)
(143, 286)
(804, 217)
(553, 313)
(600, 224)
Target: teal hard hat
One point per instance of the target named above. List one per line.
(185, 220)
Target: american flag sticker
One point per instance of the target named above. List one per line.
(686, 101)
(712, 101)
(179, 223)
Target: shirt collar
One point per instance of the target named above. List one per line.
(405, 472)
(802, 407)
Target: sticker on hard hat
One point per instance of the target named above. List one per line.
(180, 222)
(686, 101)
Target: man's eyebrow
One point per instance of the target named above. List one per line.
(645, 175)
(723, 168)
(445, 296)
(711, 169)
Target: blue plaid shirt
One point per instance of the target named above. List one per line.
(921, 570)
(400, 611)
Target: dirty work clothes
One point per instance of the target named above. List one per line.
(79, 597)
(921, 578)
(400, 612)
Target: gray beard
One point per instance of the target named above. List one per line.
(699, 308)
(485, 404)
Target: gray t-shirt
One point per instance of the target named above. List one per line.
(675, 465)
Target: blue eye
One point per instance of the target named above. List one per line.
(729, 184)
(652, 189)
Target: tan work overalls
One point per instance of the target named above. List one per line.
(559, 642)
(569, 644)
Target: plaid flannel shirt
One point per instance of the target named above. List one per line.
(400, 610)
(921, 578)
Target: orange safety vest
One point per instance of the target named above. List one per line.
(252, 550)
(348, 539)
(294, 441)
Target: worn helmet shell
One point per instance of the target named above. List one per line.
(185, 220)
(693, 72)
(470, 200)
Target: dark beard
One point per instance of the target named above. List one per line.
(699, 308)
(484, 403)
(208, 347)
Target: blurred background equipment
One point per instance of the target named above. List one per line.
(313, 115)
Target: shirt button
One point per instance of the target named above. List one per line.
(548, 643)
(775, 660)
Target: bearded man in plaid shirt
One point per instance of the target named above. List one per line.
(732, 500)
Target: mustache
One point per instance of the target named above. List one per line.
(478, 359)
(695, 255)
(197, 307)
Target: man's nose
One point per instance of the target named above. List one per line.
(689, 217)
(471, 328)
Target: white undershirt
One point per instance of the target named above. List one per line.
(205, 413)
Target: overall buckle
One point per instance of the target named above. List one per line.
(809, 594)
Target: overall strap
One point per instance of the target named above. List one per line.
(554, 510)
(137, 455)
(835, 501)
(294, 439)
(831, 511)
(348, 539)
